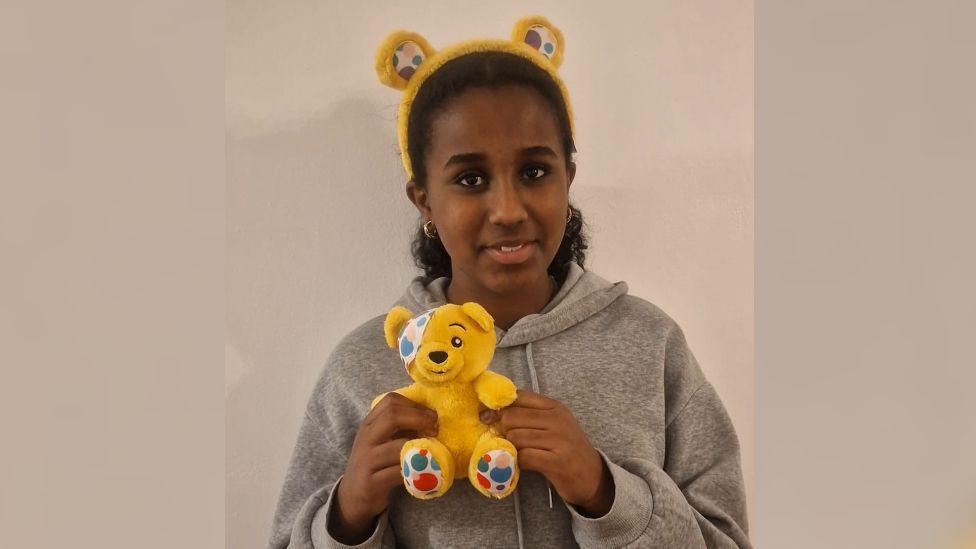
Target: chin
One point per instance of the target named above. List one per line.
(511, 278)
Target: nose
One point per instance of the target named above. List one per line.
(438, 356)
(507, 206)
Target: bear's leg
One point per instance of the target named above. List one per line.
(428, 468)
(493, 469)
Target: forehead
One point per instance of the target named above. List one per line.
(494, 120)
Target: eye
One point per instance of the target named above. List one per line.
(470, 179)
(535, 172)
(456, 342)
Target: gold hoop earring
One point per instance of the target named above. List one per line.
(429, 229)
(569, 215)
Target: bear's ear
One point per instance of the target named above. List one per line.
(542, 36)
(479, 315)
(395, 319)
(399, 57)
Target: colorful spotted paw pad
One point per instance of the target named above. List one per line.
(421, 473)
(496, 471)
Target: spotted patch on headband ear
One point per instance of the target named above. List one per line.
(542, 36)
(541, 39)
(400, 56)
(407, 57)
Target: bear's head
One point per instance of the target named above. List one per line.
(448, 343)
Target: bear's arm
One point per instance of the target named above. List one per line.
(494, 390)
(414, 392)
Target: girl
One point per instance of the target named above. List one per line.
(621, 440)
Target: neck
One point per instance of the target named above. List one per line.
(506, 309)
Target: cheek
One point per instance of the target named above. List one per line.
(555, 218)
(458, 227)
(556, 236)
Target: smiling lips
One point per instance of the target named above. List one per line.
(511, 253)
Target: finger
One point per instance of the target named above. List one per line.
(396, 399)
(528, 399)
(407, 434)
(400, 399)
(540, 461)
(524, 438)
(422, 421)
(389, 477)
(401, 418)
(529, 418)
(395, 408)
(488, 416)
(393, 403)
(386, 454)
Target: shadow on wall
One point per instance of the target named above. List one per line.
(318, 230)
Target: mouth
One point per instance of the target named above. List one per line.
(438, 372)
(511, 252)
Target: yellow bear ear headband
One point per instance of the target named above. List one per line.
(406, 60)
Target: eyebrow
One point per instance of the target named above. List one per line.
(459, 326)
(476, 157)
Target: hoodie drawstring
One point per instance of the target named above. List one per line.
(518, 518)
(535, 387)
(518, 509)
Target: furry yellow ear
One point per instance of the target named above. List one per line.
(542, 36)
(479, 315)
(399, 57)
(395, 319)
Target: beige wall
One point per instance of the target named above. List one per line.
(317, 221)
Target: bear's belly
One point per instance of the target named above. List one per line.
(459, 430)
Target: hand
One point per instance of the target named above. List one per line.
(374, 468)
(550, 441)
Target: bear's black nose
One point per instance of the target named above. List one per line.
(438, 356)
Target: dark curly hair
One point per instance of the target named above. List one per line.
(491, 70)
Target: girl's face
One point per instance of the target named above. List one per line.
(496, 176)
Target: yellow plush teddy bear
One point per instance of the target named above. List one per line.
(446, 352)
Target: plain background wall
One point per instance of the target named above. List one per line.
(318, 224)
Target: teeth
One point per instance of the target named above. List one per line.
(511, 248)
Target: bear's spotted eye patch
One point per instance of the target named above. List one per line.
(456, 342)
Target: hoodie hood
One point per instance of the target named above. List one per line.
(581, 295)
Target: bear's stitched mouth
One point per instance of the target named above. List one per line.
(438, 372)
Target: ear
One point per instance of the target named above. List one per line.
(571, 173)
(400, 56)
(542, 36)
(479, 315)
(395, 319)
(418, 195)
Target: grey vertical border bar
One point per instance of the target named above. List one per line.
(111, 277)
(865, 269)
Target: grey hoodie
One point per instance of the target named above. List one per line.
(618, 362)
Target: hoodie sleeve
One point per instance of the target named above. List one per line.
(697, 500)
(324, 441)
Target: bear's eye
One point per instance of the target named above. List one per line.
(456, 342)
